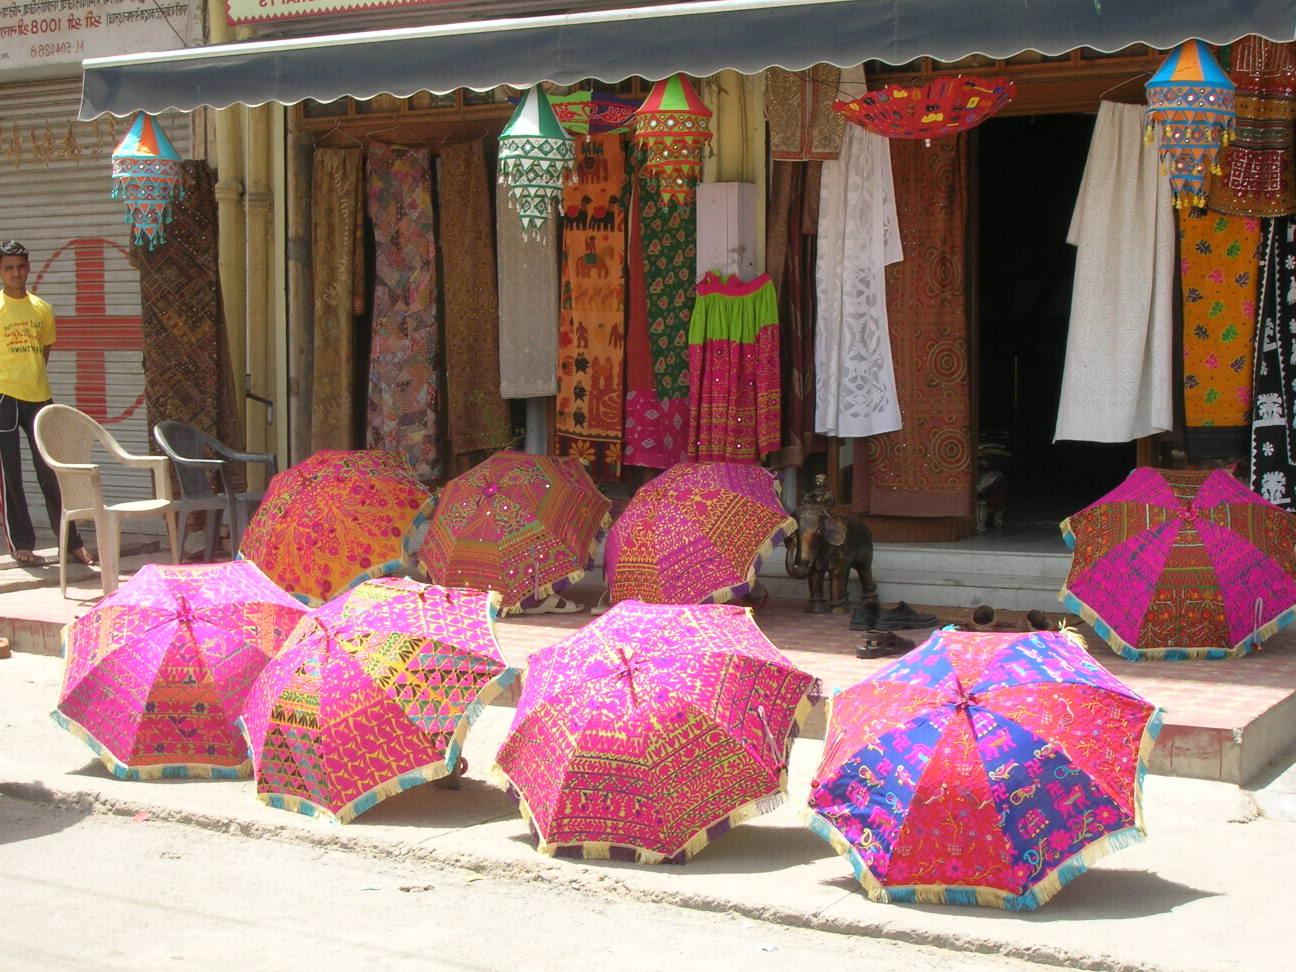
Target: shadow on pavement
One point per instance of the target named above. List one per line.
(27, 812)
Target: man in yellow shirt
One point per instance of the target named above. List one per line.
(26, 336)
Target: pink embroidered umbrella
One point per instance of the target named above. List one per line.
(651, 731)
(526, 526)
(1176, 564)
(335, 520)
(696, 533)
(156, 673)
(372, 694)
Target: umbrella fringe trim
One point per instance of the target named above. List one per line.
(158, 771)
(765, 550)
(1130, 653)
(429, 773)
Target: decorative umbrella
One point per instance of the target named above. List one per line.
(1191, 99)
(526, 526)
(942, 106)
(335, 520)
(1176, 564)
(372, 694)
(147, 178)
(696, 533)
(983, 768)
(535, 157)
(593, 112)
(672, 127)
(652, 731)
(157, 672)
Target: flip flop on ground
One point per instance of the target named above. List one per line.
(555, 604)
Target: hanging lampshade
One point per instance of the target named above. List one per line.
(943, 106)
(535, 155)
(1191, 99)
(147, 179)
(672, 126)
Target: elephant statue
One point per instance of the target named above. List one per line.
(830, 542)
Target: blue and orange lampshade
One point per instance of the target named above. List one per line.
(147, 179)
(1191, 100)
(673, 127)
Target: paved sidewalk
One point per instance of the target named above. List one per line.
(1210, 890)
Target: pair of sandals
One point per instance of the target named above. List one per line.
(555, 604)
(29, 558)
(983, 619)
(883, 644)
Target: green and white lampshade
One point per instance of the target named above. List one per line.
(147, 179)
(535, 156)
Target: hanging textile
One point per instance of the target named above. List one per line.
(476, 416)
(402, 414)
(528, 303)
(1219, 273)
(187, 374)
(734, 405)
(591, 336)
(661, 259)
(336, 207)
(1117, 380)
(790, 247)
(1256, 175)
(855, 385)
(926, 468)
(799, 109)
(1273, 451)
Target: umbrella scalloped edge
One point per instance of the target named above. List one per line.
(1130, 653)
(605, 850)
(390, 568)
(775, 540)
(157, 771)
(1043, 889)
(559, 584)
(405, 781)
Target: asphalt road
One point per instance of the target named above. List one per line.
(100, 892)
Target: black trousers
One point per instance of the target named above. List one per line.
(17, 416)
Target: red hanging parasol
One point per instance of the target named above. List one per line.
(943, 106)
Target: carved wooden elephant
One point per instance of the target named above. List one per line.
(830, 543)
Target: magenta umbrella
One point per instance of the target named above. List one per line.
(157, 672)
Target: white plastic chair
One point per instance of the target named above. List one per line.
(65, 437)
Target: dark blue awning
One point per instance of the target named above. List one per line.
(653, 42)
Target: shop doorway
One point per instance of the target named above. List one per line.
(1029, 171)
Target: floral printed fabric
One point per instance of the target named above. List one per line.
(1219, 270)
(402, 362)
(1273, 458)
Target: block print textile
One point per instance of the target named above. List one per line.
(187, 374)
(735, 400)
(653, 730)
(591, 336)
(157, 674)
(477, 417)
(799, 109)
(1177, 564)
(402, 414)
(662, 257)
(1219, 270)
(1273, 451)
(926, 468)
(528, 303)
(371, 695)
(336, 208)
(983, 769)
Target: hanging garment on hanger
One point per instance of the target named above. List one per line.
(799, 108)
(528, 302)
(1273, 449)
(859, 236)
(403, 394)
(1117, 380)
(734, 396)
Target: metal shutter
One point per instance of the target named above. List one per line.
(55, 184)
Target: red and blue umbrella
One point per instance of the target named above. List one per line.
(983, 769)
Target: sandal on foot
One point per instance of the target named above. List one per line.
(82, 556)
(28, 558)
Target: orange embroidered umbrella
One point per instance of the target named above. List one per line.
(335, 520)
(944, 106)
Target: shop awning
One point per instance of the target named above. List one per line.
(696, 38)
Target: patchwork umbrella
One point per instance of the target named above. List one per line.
(983, 768)
(526, 526)
(335, 520)
(1176, 564)
(156, 674)
(371, 695)
(653, 730)
(696, 533)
